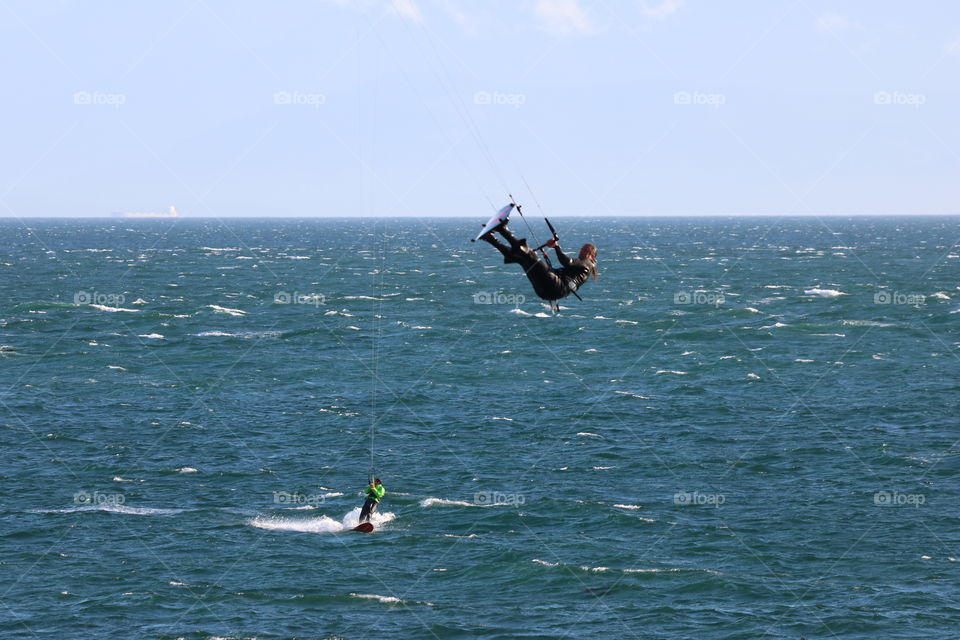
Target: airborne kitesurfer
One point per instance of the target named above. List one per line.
(548, 283)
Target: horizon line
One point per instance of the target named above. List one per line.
(474, 217)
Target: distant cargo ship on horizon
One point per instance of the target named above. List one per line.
(172, 213)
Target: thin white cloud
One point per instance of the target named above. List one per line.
(663, 10)
(466, 23)
(832, 22)
(407, 9)
(563, 17)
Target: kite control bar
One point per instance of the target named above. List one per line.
(553, 231)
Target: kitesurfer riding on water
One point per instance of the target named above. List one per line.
(548, 283)
(374, 492)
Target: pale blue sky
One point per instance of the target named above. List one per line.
(604, 107)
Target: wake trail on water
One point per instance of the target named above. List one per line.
(322, 524)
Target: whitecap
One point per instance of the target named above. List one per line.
(587, 433)
(671, 570)
(186, 470)
(628, 506)
(632, 395)
(429, 502)
(233, 312)
(867, 323)
(676, 373)
(775, 325)
(545, 563)
(151, 336)
(103, 307)
(824, 293)
(388, 599)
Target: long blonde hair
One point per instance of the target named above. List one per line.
(589, 250)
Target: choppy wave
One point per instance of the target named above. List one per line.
(388, 599)
(114, 508)
(602, 569)
(103, 307)
(867, 323)
(430, 502)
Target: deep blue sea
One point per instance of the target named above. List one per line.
(747, 429)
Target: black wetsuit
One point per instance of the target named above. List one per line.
(368, 508)
(549, 284)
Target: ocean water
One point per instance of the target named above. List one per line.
(747, 429)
